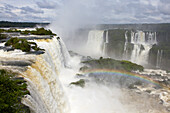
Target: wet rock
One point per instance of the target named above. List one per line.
(16, 63)
(80, 83)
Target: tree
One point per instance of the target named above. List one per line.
(11, 92)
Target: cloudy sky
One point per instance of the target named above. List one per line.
(86, 11)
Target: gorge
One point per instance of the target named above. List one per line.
(49, 75)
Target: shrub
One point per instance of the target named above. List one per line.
(11, 92)
(38, 31)
(22, 44)
(109, 63)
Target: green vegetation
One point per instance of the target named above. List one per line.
(168, 71)
(80, 83)
(22, 44)
(109, 63)
(3, 36)
(11, 92)
(38, 31)
(21, 24)
(11, 30)
(2, 30)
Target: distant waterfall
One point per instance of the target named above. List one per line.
(138, 51)
(142, 44)
(125, 46)
(159, 58)
(107, 37)
(95, 43)
(46, 92)
(105, 44)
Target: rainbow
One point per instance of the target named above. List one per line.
(125, 74)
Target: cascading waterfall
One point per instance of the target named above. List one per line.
(125, 46)
(106, 41)
(107, 37)
(159, 58)
(95, 42)
(66, 56)
(46, 92)
(142, 44)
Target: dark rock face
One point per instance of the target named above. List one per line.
(115, 47)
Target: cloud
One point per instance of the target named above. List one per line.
(13, 13)
(108, 11)
(164, 7)
(46, 4)
(6, 12)
(28, 9)
(80, 12)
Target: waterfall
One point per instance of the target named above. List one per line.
(46, 92)
(95, 42)
(125, 46)
(142, 44)
(107, 37)
(105, 44)
(159, 58)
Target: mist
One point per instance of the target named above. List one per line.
(75, 14)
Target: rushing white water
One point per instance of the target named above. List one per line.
(100, 98)
(95, 42)
(46, 92)
(93, 98)
(142, 44)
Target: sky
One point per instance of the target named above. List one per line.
(86, 11)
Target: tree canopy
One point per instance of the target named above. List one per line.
(11, 92)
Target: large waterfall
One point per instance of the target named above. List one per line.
(48, 82)
(142, 44)
(46, 92)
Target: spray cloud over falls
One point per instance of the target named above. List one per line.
(74, 14)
